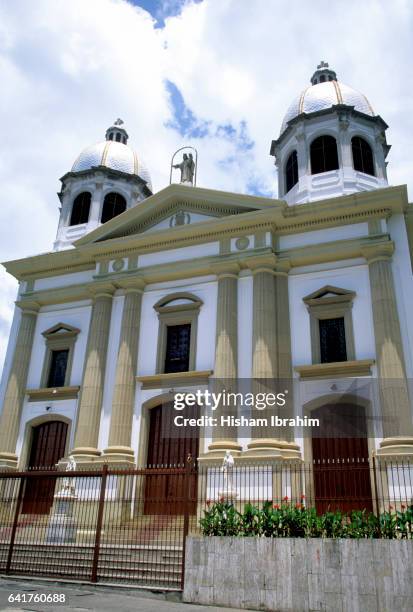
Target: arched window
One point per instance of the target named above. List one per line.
(118, 136)
(114, 204)
(323, 153)
(80, 209)
(111, 136)
(362, 155)
(291, 171)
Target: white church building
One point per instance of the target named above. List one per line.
(149, 294)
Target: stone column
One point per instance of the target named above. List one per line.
(16, 385)
(271, 356)
(226, 350)
(393, 388)
(284, 356)
(91, 394)
(264, 346)
(123, 401)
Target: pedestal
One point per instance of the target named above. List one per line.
(62, 525)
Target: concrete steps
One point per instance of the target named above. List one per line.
(146, 565)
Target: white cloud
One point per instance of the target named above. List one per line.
(69, 68)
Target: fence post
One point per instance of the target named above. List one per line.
(15, 520)
(187, 489)
(99, 522)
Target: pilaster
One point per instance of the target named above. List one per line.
(16, 384)
(226, 349)
(393, 387)
(119, 448)
(90, 403)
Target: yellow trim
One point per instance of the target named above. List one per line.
(176, 379)
(338, 92)
(105, 153)
(52, 394)
(339, 369)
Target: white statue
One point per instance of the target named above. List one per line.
(187, 168)
(68, 483)
(228, 468)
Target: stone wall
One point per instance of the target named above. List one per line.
(299, 574)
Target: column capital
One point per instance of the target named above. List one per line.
(134, 284)
(226, 269)
(262, 263)
(28, 306)
(282, 267)
(101, 289)
(382, 251)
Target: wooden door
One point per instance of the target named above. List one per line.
(341, 459)
(165, 493)
(48, 447)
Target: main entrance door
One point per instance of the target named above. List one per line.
(168, 448)
(48, 447)
(341, 459)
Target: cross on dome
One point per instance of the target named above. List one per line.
(117, 132)
(323, 74)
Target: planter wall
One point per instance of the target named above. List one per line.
(298, 574)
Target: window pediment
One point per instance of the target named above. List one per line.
(178, 301)
(60, 330)
(329, 295)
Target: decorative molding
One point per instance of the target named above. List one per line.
(53, 393)
(330, 302)
(61, 336)
(176, 379)
(339, 369)
(177, 314)
(257, 214)
(378, 252)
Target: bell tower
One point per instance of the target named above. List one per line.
(331, 142)
(106, 179)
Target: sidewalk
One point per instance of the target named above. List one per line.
(83, 598)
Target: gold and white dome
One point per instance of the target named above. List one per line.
(325, 92)
(113, 153)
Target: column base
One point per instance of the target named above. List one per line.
(218, 449)
(123, 455)
(8, 461)
(85, 454)
(271, 448)
(396, 447)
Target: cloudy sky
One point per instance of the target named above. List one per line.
(217, 74)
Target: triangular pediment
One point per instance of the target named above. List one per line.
(61, 329)
(174, 207)
(329, 293)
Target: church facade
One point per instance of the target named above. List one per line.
(149, 294)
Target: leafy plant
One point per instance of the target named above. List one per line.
(296, 521)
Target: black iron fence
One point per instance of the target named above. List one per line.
(113, 525)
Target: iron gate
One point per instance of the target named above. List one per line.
(98, 527)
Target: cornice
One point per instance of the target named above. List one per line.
(341, 369)
(176, 379)
(274, 216)
(258, 259)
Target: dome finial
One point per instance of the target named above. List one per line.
(117, 132)
(323, 73)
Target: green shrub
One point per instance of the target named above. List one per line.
(297, 521)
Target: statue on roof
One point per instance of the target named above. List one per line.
(187, 168)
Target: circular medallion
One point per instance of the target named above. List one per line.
(242, 243)
(118, 265)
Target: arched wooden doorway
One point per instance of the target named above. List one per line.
(341, 458)
(168, 448)
(47, 448)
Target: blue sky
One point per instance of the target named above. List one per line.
(217, 75)
(162, 9)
